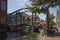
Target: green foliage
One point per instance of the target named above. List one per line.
(28, 18)
(36, 4)
(36, 9)
(51, 17)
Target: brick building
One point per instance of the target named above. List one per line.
(3, 11)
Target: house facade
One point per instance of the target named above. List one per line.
(3, 11)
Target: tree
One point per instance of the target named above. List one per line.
(35, 10)
(28, 19)
(51, 18)
(38, 6)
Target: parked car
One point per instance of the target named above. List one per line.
(51, 30)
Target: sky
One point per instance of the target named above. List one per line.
(14, 5)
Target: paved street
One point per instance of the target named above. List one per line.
(56, 37)
(53, 38)
(15, 36)
(12, 36)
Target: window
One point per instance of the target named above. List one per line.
(3, 5)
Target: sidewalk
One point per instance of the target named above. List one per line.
(56, 37)
(49, 38)
(53, 38)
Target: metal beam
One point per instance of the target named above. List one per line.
(19, 10)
